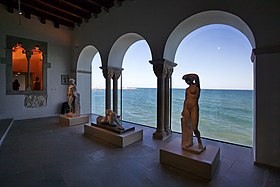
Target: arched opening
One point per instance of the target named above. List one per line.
(19, 67)
(36, 68)
(202, 19)
(131, 54)
(139, 85)
(84, 77)
(97, 87)
(220, 55)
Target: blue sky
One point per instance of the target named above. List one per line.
(219, 54)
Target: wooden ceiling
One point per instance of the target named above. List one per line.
(70, 13)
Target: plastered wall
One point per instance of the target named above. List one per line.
(59, 55)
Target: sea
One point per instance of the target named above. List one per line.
(224, 115)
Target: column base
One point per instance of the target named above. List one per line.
(168, 132)
(161, 135)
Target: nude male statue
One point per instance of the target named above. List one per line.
(190, 113)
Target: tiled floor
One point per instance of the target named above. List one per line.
(41, 152)
(5, 125)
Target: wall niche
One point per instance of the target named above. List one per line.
(26, 66)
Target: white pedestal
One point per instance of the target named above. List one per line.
(70, 121)
(202, 165)
(120, 140)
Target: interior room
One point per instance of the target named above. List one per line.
(45, 45)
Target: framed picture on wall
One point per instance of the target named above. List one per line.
(64, 79)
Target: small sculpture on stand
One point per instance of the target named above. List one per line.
(111, 119)
(73, 99)
(190, 114)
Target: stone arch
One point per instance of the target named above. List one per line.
(202, 19)
(85, 58)
(83, 76)
(206, 18)
(114, 66)
(120, 47)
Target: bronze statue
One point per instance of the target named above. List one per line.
(190, 113)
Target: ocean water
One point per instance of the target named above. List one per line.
(224, 115)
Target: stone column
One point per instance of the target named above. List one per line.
(116, 75)
(28, 56)
(167, 105)
(111, 73)
(168, 99)
(108, 76)
(163, 70)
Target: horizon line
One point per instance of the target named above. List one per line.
(133, 87)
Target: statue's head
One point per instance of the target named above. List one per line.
(72, 81)
(108, 112)
(191, 78)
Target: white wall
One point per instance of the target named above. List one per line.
(59, 55)
(268, 109)
(84, 88)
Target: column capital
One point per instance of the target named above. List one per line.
(111, 72)
(162, 67)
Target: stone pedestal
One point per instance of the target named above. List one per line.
(75, 120)
(194, 149)
(202, 165)
(120, 140)
(115, 129)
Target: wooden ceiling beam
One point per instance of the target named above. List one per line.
(47, 15)
(70, 13)
(88, 5)
(44, 7)
(94, 3)
(56, 8)
(45, 12)
(85, 13)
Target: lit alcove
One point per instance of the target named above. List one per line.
(36, 67)
(19, 67)
(26, 67)
(220, 55)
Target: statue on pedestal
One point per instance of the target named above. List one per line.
(111, 119)
(190, 113)
(73, 99)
